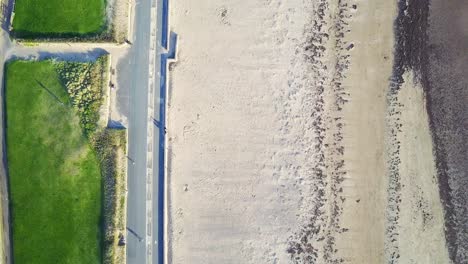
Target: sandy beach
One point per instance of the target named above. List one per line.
(304, 132)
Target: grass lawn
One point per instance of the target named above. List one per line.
(55, 179)
(58, 18)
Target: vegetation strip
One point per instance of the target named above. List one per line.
(110, 145)
(67, 180)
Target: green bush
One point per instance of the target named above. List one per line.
(85, 85)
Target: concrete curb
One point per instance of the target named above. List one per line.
(107, 93)
(71, 44)
(4, 185)
(131, 19)
(167, 59)
(7, 239)
(125, 172)
(169, 44)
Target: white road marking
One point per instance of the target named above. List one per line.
(149, 157)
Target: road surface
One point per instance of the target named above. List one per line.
(139, 71)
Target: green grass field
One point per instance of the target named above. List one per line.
(58, 18)
(55, 179)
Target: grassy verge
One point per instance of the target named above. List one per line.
(67, 182)
(110, 145)
(59, 18)
(55, 181)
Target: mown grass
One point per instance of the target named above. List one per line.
(58, 18)
(55, 166)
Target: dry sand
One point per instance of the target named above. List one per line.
(234, 148)
(298, 132)
(371, 31)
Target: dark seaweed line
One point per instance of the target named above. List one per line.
(319, 232)
(302, 248)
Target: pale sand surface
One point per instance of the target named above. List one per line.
(283, 137)
(421, 237)
(364, 140)
(230, 141)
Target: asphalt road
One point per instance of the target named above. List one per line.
(144, 222)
